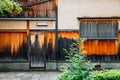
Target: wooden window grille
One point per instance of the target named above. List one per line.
(99, 29)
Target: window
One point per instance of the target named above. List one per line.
(99, 29)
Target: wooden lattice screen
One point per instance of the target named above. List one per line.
(99, 29)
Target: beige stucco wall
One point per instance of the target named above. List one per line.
(12, 24)
(33, 25)
(69, 10)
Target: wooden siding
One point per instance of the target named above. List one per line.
(44, 43)
(65, 39)
(101, 47)
(97, 50)
(46, 9)
(22, 1)
(119, 42)
(13, 45)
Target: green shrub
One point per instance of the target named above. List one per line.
(9, 7)
(106, 75)
(74, 69)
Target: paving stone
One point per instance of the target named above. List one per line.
(29, 75)
(11, 75)
(36, 76)
(3, 75)
(20, 74)
(16, 79)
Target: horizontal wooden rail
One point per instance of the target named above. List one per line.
(13, 31)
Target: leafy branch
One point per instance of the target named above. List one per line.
(9, 7)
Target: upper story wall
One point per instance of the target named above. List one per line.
(69, 10)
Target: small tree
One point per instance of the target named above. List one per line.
(9, 7)
(78, 68)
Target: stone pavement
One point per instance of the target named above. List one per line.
(31, 75)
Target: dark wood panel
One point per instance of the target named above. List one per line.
(65, 39)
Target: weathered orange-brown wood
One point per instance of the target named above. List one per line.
(119, 42)
(15, 31)
(44, 39)
(94, 47)
(12, 41)
(22, 1)
(39, 10)
(101, 47)
(48, 38)
(28, 28)
(44, 9)
(68, 35)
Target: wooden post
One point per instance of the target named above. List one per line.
(56, 33)
(28, 39)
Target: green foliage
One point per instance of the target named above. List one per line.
(9, 6)
(106, 75)
(78, 68)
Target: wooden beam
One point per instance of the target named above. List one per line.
(36, 3)
(28, 27)
(56, 34)
(112, 17)
(17, 31)
(28, 39)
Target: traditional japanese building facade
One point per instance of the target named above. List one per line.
(35, 38)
